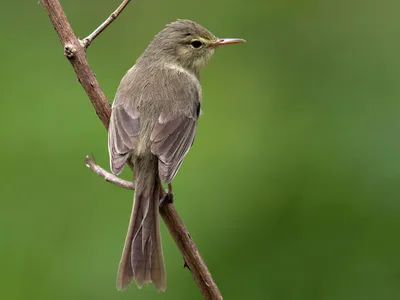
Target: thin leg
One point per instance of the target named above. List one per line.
(170, 189)
(168, 197)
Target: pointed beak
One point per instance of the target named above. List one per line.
(222, 42)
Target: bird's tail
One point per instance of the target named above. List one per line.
(142, 258)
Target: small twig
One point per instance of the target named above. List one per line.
(90, 38)
(91, 164)
(75, 52)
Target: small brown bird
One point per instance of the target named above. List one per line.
(153, 123)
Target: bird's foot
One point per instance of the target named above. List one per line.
(168, 197)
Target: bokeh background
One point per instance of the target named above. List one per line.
(291, 191)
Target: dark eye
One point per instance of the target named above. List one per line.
(196, 44)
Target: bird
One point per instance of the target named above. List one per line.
(153, 125)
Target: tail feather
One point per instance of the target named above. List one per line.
(142, 258)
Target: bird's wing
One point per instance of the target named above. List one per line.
(172, 137)
(172, 133)
(123, 134)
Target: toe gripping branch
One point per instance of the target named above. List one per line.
(168, 196)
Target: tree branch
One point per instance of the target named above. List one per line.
(91, 164)
(90, 38)
(76, 56)
(74, 50)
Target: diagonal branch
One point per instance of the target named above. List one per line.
(76, 56)
(89, 39)
(75, 53)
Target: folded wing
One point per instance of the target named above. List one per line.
(172, 137)
(123, 134)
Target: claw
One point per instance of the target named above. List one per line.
(166, 199)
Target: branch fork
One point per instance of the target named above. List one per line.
(75, 51)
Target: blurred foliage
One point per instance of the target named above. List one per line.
(291, 190)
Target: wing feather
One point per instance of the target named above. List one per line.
(170, 142)
(123, 134)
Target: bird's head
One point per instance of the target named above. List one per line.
(188, 44)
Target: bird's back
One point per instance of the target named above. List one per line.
(154, 94)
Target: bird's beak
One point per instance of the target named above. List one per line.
(222, 42)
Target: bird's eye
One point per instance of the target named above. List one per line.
(196, 44)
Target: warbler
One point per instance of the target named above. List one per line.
(153, 124)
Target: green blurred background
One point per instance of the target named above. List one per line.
(291, 191)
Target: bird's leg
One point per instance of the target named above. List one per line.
(168, 196)
(169, 191)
